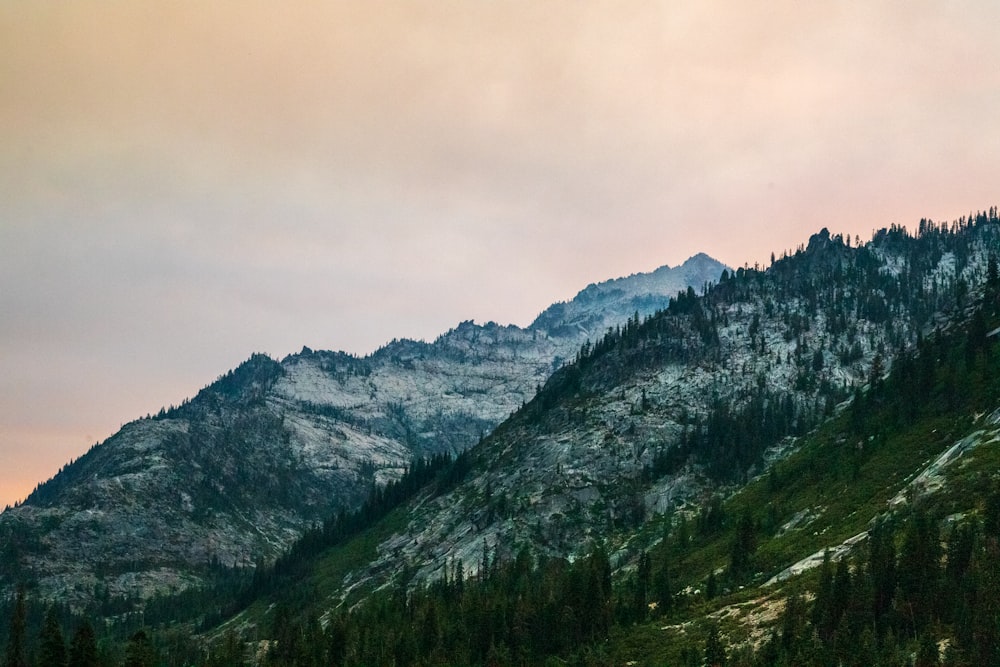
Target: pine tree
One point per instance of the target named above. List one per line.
(83, 648)
(875, 375)
(991, 515)
(919, 570)
(882, 570)
(15, 653)
(642, 583)
(927, 653)
(51, 644)
(711, 586)
(139, 651)
(744, 544)
(230, 653)
(841, 593)
(715, 652)
(821, 611)
(662, 587)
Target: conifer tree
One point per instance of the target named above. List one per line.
(139, 651)
(711, 586)
(229, 653)
(919, 569)
(642, 583)
(83, 648)
(51, 644)
(927, 653)
(715, 652)
(842, 590)
(662, 587)
(744, 544)
(824, 594)
(15, 655)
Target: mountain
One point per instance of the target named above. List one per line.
(771, 471)
(654, 418)
(674, 489)
(599, 306)
(233, 476)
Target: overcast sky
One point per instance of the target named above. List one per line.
(184, 183)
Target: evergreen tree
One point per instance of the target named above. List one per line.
(744, 544)
(642, 583)
(711, 586)
(793, 629)
(15, 655)
(918, 570)
(662, 587)
(976, 339)
(715, 652)
(822, 607)
(991, 515)
(842, 591)
(51, 644)
(882, 570)
(230, 653)
(287, 637)
(982, 636)
(139, 651)
(875, 375)
(83, 648)
(927, 653)
(817, 361)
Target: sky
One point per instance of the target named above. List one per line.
(185, 183)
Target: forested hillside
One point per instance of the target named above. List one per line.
(795, 466)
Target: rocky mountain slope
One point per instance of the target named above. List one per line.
(681, 491)
(659, 415)
(873, 541)
(599, 306)
(235, 474)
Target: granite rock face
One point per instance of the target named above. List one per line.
(691, 402)
(234, 475)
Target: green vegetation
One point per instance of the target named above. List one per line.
(690, 588)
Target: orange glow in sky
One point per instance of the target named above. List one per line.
(185, 183)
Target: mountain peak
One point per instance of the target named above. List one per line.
(699, 258)
(644, 293)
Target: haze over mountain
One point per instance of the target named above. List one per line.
(653, 419)
(186, 182)
(235, 474)
(686, 471)
(621, 517)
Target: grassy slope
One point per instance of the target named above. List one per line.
(322, 585)
(825, 476)
(841, 477)
(844, 488)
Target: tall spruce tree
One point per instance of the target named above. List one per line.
(139, 651)
(83, 648)
(15, 655)
(744, 544)
(715, 652)
(51, 644)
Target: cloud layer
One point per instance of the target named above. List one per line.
(185, 183)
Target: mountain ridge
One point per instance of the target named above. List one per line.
(644, 421)
(723, 442)
(625, 518)
(647, 292)
(234, 474)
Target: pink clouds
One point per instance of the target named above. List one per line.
(247, 176)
